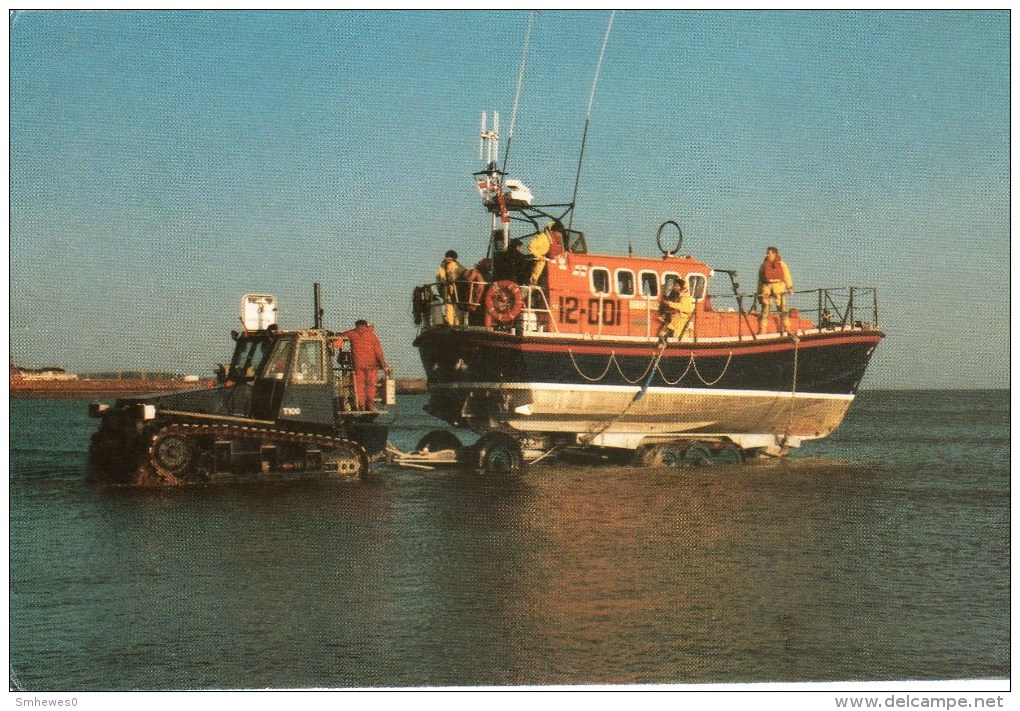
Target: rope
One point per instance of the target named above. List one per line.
(544, 455)
(682, 375)
(652, 368)
(793, 391)
(609, 364)
(725, 368)
(650, 372)
(639, 378)
(598, 65)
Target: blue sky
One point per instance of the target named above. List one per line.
(163, 164)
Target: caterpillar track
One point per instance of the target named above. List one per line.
(192, 453)
(188, 453)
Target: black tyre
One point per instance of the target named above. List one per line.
(730, 454)
(497, 452)
(671, 456)
(438, 440)
(698, 455)
(646, 456)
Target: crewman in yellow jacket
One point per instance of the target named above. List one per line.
(446, 276)
(675, 309)
(774, 282)
(540, 246)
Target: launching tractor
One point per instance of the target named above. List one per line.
(284, 406)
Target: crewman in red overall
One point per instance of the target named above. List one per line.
(774, 282)
(367, 354)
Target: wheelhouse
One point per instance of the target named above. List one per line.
(596, 296)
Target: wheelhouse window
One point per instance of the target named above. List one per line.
(599, 280)
(310, 366)
(649, 284)
(575, 242)
(625, 282)
(667, 280)
(696, 284)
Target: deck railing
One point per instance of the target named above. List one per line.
(833, 309)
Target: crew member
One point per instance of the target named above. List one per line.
(447, 276)
(540, 246)
(517, 262)
(368, 359)
(471, 285)
(774, 282)
(675, 309)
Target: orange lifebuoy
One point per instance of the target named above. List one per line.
(503, 301)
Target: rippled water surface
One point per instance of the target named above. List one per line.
(879, 553)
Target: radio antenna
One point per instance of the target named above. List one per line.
(488, 144)
(517, 96)
(587, 118)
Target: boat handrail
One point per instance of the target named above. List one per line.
(529, 298)
(840, 308)
(844, 308)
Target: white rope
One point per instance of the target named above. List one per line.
(725, 368)
(683, 375)
(609, 364)
(598, 65)
(544, 455)
(640, 377)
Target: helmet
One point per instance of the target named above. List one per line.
(451, 254)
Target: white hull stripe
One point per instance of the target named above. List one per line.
(567, 387)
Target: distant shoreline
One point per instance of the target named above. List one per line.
(135, 388)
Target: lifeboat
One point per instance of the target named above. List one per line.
(576, 359)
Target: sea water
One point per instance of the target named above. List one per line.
(879, 553)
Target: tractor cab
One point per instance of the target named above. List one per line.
(278, 375)
(295, 382)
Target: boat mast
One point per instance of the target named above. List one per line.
(488, 150)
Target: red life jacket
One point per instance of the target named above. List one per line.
(774, 270)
